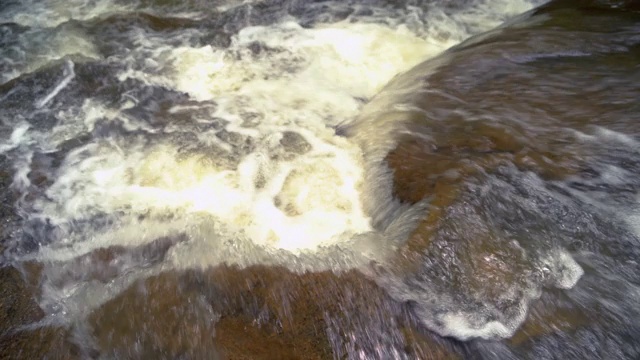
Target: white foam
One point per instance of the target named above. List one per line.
(567, 270)
(320, 186)
(459, 326)
(611, 135)
(323, 191)
(18, 136)
(316, 68)
(36, 48)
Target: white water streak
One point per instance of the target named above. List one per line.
(68, 74)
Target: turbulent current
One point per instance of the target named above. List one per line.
(362, 179)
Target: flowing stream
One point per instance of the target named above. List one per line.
(361, 179)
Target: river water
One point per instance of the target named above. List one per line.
(320, 179)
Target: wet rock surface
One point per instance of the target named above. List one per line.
(259, 313)
(491, 161)
(19, 310)
(18, 304)
(46, 342)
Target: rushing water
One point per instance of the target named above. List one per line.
(488, 187)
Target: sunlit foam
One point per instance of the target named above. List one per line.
(460, 326)
(321, 207)
(305, 80)
(198, 66)
(338, 57)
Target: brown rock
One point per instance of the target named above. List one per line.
(17, 305)
(256, 313)
(158, 318)
(105, 264)
(297, 312)
(40, 343)
(547, 317)
(18, 308)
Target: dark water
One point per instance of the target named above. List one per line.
(318, 179)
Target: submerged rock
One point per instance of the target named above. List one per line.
(468, 157)
(261, 313)
(17, 305)
(19, 337)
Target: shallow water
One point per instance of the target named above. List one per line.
(235, 169)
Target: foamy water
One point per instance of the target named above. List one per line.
(233, 147)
